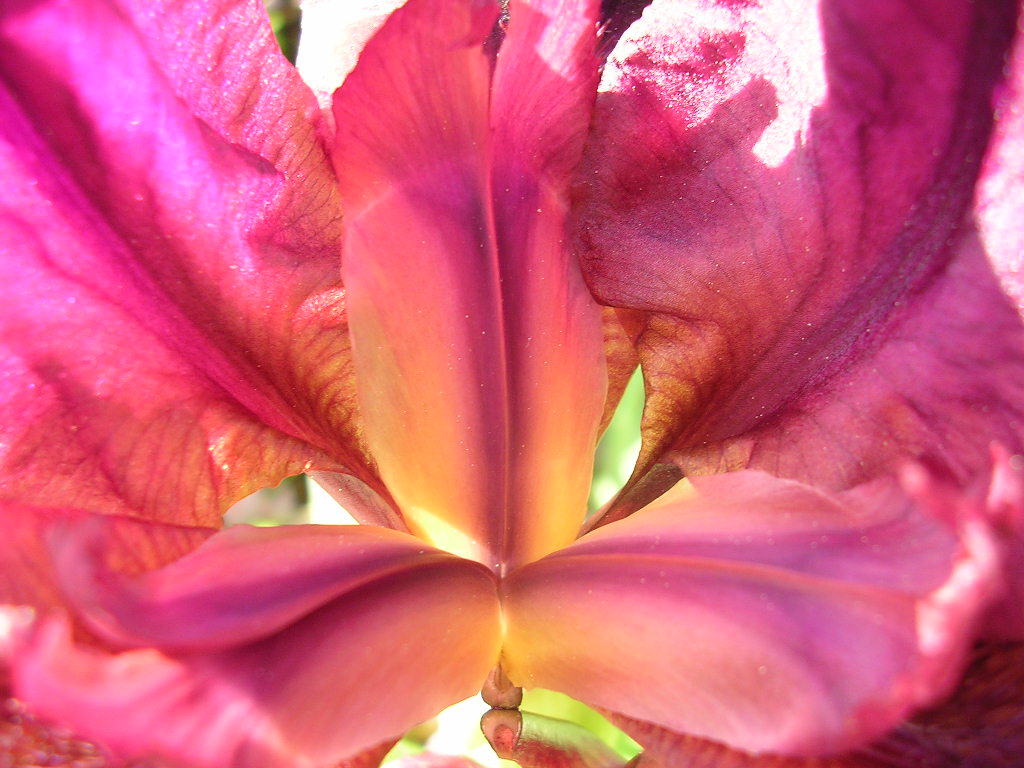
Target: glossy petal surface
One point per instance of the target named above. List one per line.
(478, 350)
(173, 333)
(782, 187)
(756, 612)
(341, 638)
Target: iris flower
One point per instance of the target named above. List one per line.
(422, 271)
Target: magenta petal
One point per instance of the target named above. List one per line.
(784, 194)
(173, 333)
(758, 612)
(270, 647)
(1000, 204)
(204, 601)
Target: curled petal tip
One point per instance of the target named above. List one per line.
(1005, 506)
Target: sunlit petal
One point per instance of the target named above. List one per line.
(783, 187)
(1000, 197)
(1005, 503)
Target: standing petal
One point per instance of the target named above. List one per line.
(999, 204)
(541, 100)
(477, 347)
(756, 612)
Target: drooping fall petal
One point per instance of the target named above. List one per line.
(979, 726)
(477, 348)
(783, 188)
(173, 334)
(757, 612)
(292, 646)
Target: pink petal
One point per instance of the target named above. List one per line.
(757, 612)
(28, 740)
(173, 334)
(978, 726)
(29, 576)
(477, 347)
(203, 601)
(782, 191)
(368, 758)
(1005, 502)
(292, 646)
